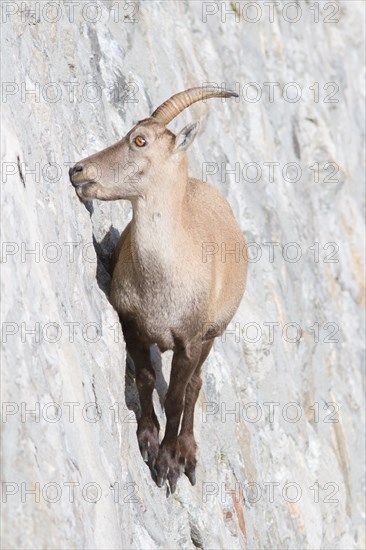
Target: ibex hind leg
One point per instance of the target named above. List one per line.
(147, 425)
(186, 442)
(185, 360)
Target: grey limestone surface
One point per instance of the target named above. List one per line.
(280, 418)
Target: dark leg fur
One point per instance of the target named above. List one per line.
(186, 442)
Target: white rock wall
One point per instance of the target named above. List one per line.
(265, 482)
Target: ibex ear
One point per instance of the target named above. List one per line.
(186, 136)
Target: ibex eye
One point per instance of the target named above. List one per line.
(140, 141)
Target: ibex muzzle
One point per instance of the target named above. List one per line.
(164, 290)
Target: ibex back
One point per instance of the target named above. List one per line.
(179, 270)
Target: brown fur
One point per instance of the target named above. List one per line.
(162, 287)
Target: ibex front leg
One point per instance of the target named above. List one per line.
(185, 361)
(147, 424)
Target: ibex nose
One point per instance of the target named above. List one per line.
(75, 169)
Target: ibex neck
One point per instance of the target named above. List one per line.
(157, 228)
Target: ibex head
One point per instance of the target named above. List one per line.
(145, 156)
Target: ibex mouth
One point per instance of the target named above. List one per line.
(80, 177)
(82, 183)
(86, 190)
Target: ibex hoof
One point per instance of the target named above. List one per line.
(167, 467)
(187, 456)
(173, 486)
(160, 481)
(148, 439)
(191, 476)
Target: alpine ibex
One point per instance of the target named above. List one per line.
(170, 286)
